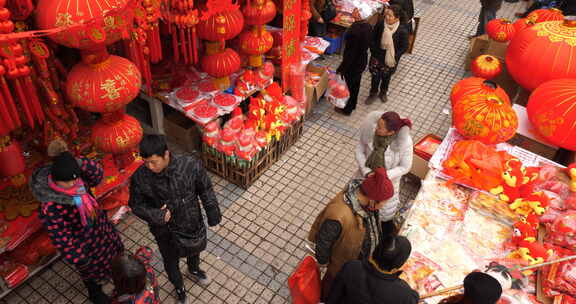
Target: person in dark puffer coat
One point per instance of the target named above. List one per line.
(376, 279)
(79, 229)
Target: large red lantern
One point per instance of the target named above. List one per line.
(486, 66)
(485, 117)
(259, 12)
(551, 109)
(221, 26)
(523, 23)
(500, 30)
(106, 86)
(256, 42)
(476, 86)
(220, 65)
(105, 21)
(543, 52)
(117, 133)
(545, 14)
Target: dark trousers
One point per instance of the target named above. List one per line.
(353, 81)
(171, 257)
(485, 16)
(381, 80)
(95, 293)
(327, 281)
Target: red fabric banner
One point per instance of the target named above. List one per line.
(290, 39)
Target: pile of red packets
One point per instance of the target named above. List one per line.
(33, 250)
(250, 80)
(12, 273)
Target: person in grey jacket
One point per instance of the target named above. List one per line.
(487, 12)
(392, 136)
(166, 192)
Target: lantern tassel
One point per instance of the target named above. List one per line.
(24, 102)
(175, 47)
(190, 46)
(10, 102)
(33, 98)
(183, 46)
(157, 43)
(195, 45)
(6, 118)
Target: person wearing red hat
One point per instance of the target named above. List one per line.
(349, 228)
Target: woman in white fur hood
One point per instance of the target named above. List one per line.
(391, 136)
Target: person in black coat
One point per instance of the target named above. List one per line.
(479, 288)
(487, 12)
(355, 59)
(376, 280)
(406, 5)
(389, 43)
(166, 192)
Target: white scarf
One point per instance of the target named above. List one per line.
(387, 43)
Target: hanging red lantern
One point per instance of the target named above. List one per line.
(500, 30)
(543, 52)
(486, 66)
(475, 86)
(116, 133)
(484, 117)
(106, 21)
(552, 112)
(523, 23)
(220, 65)
(259, 12)
(256, 42)
(545, 14)
(103, 87)
(221, 26)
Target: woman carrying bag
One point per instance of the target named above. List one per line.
(323, 11)
(389, 43)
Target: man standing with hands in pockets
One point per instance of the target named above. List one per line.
(165, 192)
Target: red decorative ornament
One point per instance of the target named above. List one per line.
(543, 52)
(476, 86)
(220, 65)
(12, 160)
(486, 66)
(117, 133)
(500, 30)
(545, 14)
(256, 42)
(221, 26)
(552, 112)
(484, 117)
(106, 21)
(103, 87)
(259, 12)
(522, 23)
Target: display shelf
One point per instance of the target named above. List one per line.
(5, 290)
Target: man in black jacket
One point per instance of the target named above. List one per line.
(487, 13)
(376, 280)
(164, 192)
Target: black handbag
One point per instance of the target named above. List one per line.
(329, 12)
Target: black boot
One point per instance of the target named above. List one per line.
(95, 293)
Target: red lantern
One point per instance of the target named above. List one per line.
(485, 117)
(256, 14)
(116, 133)
(221, 26)
(475, 86)
(522, 23)
(552, 112)
(103, 87)
(256, 42)
(543, 52)
(545, 14)
(220, 65)
(500, 30)
(107, 21)
(486, 66)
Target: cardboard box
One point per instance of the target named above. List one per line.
(182, 131)
(313, 93)
(419, 166)
(478, 46)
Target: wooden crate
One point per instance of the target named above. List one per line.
(244, 174)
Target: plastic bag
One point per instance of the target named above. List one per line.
(304, 282)
(563, 231)
(337, 93)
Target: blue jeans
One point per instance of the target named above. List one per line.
(485, 17)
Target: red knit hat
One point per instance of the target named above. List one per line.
(378, 186)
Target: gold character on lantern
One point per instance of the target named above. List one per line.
(63, 19)
(112, 92)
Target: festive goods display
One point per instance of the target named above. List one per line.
(500, 30)
(257, 41)
(476, 86)
(485, 117)
(220, 64)
(524, 58)
(183, 19)
(551, 111)
(486, 66)
(545, 14)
